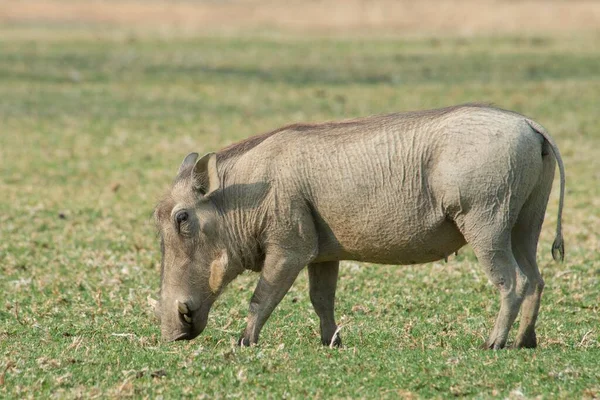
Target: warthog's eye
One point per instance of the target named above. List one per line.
(180, 218)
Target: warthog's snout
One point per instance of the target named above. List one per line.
(185, 322)
(186, 336)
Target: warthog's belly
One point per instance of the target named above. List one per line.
(426, 245)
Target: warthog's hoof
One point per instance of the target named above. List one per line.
(527, 342)
(244, 342)
(337, 341)
(493, 346)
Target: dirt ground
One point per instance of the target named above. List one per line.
(400, 17)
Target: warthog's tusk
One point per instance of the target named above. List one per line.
(182, 307)
(184, 310)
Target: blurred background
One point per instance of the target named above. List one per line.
(310, 17)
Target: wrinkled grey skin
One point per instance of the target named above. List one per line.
(394, 189)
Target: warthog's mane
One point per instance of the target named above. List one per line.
(245, 145)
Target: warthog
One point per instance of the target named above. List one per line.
(401, 188)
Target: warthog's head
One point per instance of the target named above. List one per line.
(194, 257)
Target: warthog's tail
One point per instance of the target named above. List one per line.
(558, 247)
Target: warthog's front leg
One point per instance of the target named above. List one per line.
(322, 278)
(278, 275)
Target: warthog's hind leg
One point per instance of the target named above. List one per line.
(525, 235)
(525, 256)
(492, 246)
(504, 272)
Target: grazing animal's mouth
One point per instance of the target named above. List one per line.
(185, 336)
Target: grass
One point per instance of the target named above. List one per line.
(92, 130)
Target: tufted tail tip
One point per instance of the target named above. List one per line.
(558, 249)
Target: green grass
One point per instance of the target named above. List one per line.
(92, 130)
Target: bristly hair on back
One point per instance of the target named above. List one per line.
(245, 145)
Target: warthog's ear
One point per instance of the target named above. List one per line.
(217, 272)
(188, 162)
(204, 174)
